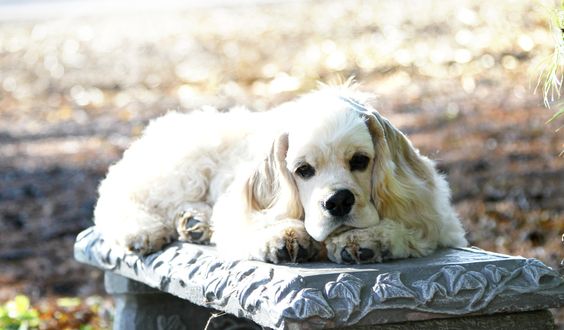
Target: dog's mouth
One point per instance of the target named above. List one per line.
(339, 230)
(320, 233)
(331, 227)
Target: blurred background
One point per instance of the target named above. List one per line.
(80, 79)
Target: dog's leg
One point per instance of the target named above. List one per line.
(147, 240)
(132, 226)
(273, 241)
(193, 223)
(387, 240)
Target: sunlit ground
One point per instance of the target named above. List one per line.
(457, 76)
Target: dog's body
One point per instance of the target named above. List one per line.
(323, 171)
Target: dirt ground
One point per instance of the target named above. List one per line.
(457, 77)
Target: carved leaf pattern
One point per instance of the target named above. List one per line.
(307, 303)
(252, 287)
(344, 294)
(531, 275)
(261, 290)
(427, 290)
(284, 288)
(495, 274)
(451, 282)
(389, 286)
(217, 290)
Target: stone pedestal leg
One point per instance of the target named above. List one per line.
(140, 307)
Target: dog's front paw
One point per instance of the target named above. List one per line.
(289, 242)
(356, 246)
(147, 242)
(191, 228)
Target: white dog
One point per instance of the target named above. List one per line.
(323, 173)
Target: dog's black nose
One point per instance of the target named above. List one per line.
(340, 203)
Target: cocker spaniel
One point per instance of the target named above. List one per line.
(325, 174)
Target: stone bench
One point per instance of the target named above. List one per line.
(183, 285)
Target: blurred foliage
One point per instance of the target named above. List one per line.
(91, 313)
(18, 314)
(552, 70)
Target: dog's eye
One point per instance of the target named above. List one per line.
(359, 162)
(305, 171)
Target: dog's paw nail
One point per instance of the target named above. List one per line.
(346, 257)
(195, 235)
(192, 222)
(386, 254)
(283, 255)
(303, 254)
(137, 248)
(365, 254)
(193, 230)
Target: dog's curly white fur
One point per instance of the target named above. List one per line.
(324, 171)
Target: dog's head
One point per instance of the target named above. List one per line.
(339, 165)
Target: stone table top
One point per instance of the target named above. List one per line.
(463, 281)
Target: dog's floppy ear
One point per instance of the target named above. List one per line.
(271, 187)
(403, 181)
(399, 166)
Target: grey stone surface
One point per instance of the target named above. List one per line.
(314, 295)
(535, 320)
(139, 307)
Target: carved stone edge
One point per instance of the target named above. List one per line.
(275, 298)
